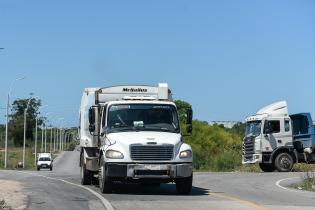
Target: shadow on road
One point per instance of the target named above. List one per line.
(164, 189)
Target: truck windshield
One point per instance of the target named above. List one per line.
(253, 128)
(44, 159)
(149, 117)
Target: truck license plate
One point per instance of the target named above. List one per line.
(154, 167)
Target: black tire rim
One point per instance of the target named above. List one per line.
(285, 162)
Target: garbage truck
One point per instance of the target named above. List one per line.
(132, 133)
(276, 140)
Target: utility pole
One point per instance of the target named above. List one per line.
(7, 122)
(56, 139)
(24, 139)
(35, 153)
(42, 146)
(45, 137)
(60, 144)
(51, 136)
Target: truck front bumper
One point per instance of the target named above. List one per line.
(254, 158)
(149, 170)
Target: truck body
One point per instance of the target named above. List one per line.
(132, 134)
(277, 140)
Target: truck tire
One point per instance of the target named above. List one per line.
(50, 168)
(86, 176)
(104, 181)
(184, 185)
(38, 168)
(284, 162)
(267, 167)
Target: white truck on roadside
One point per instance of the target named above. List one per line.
(277, 140)
(131, 133)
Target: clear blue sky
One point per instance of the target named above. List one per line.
(227, 58)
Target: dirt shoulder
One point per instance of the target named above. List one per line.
(11, 193)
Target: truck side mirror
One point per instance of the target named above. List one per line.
(91, 120)
(189, 116)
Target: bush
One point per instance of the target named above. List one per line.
(71, 146)
(214, 147)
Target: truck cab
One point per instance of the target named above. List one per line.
(277, 140)
(137, 139)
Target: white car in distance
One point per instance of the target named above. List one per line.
(44, 160)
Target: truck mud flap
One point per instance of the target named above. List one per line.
(92, 163)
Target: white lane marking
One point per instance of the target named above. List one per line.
(285, 188)
(105, 202)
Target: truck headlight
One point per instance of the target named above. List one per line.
(185, 154)
(114, 154)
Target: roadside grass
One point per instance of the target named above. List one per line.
(303, 167)
(249, 168)
(308, 183)
(15, 155)
(71, 146)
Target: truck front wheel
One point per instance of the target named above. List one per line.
(284, 162)
(267, 167)
(184, 185)
(104, 181)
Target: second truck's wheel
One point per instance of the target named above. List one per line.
(104, 181)
(86, 176)
(184, 185)
(284, 162)
(267, 167)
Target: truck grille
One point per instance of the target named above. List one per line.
(155, 153)
(248, 148)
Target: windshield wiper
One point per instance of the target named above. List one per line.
(124, 127)
(152, 127)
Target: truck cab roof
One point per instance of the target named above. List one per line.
(277, 109)
(44, 154)
(138, 102)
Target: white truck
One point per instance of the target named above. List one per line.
(132, 134)
(277, 140)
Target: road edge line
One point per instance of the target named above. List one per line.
(286, 188)
(105, 202)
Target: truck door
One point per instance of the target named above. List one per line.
(273, 139)
(287, 139)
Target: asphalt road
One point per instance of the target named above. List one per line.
(61, 189)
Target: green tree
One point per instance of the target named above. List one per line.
(16, 123)
(182, 107)
(239, 129)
